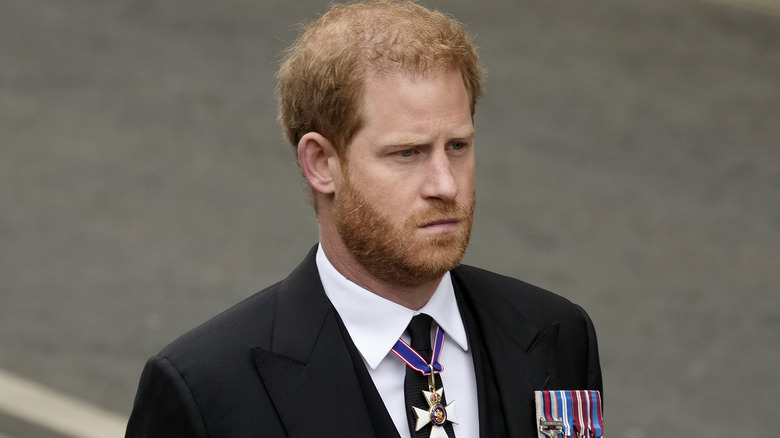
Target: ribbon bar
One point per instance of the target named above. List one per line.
(569, 414)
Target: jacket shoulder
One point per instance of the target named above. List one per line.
(246, 324)
(512, 304)
(205, 382)
(483, 285)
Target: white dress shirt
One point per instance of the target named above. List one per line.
(375, 324)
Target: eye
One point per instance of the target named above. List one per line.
(458, 145)
(406, 153)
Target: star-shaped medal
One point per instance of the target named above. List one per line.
(437, 414)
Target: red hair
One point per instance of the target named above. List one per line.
(322, 78)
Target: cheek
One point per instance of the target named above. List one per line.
(396, 203)
(465, 177)
(391, 192)
(393, 203)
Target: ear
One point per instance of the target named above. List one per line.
(319, 162)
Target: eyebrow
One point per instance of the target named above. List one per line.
(465, 133)
(410, 140)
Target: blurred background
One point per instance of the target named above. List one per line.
(628, 159)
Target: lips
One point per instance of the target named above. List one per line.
(440, 223)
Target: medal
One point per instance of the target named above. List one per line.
(575, 414)
(437, 414)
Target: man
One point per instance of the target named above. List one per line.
(378, 100)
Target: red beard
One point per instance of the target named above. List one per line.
(399, 255)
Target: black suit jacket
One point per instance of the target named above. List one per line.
(278, 365)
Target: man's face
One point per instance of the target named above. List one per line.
(405, 203)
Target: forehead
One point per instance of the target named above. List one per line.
(434, 103)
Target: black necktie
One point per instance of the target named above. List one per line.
(415, 382)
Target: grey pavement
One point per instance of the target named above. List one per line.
(628, 159)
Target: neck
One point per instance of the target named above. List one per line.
(412, 297)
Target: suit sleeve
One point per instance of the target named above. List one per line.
(593, 371)
(164, 406)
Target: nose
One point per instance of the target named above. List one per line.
(439, 179)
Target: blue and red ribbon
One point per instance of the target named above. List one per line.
(415, 361)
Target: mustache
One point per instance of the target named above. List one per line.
(442, 211)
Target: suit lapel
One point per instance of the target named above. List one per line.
(307, 368)
(312, 383)
(519, 354)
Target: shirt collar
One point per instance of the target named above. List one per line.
(374, 323)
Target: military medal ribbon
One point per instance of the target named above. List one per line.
(415, 361)
(570, 414)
